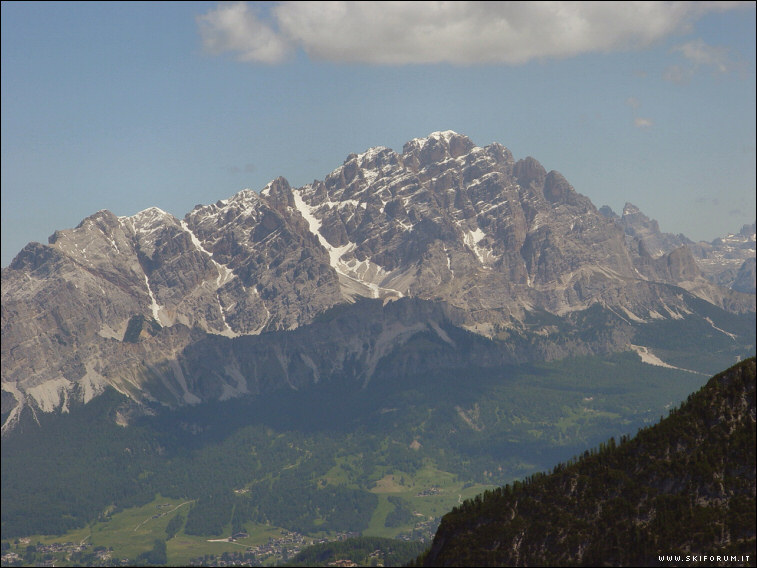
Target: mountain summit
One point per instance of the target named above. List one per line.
(487, 240)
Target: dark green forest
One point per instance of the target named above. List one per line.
(365, 551)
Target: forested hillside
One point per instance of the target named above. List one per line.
(685, 486)
(314, 461)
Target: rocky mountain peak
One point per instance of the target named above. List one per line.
(448, 139)
(373, 158)
(146, 220)
(529, 171)
(246, 196)
(103, 219)
(244, 203)
(501, 155)
(279, 191)
(637, 225)
(681, 265)
(436, 147)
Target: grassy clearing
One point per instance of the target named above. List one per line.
(337, 474)
(391, 483)
(135, 530)
(439, 504)
(182, 548)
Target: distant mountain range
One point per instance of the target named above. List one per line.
(680, 491)
(728, 261)
(294, 286)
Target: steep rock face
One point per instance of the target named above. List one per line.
(347, 343)
(686, 484)
(273, 274)
(444, 221)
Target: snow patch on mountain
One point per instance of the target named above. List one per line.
(154, 306)
(363, 272)
(445, 135)
(225, 274)
(484, 255)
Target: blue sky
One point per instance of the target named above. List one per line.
(123, 106)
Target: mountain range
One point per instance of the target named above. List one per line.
(727, 261)
(289, 287)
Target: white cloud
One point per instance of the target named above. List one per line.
(232, 27)
(639, 122)
(700, 56)
(463, 33)
(699, 53)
